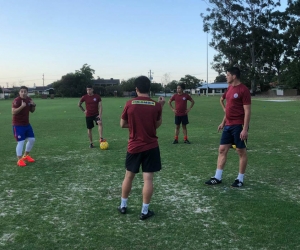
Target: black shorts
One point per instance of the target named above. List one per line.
(231, 135)
(150, 161)
(90, 121)
(181, 119)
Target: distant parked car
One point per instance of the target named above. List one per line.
(133, 94)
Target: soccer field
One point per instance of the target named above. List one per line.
(68, 198)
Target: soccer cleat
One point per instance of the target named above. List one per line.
(92, 145)
(175, 141)
(237, 183)
(187, 141)
(122, 210)
(21, 163)
(233, 146)
(146, 216)
(102, 140)
(28, 158)
(213, 181)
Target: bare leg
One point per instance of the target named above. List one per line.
(242, 152)
(100, 130)
(177, 130)
(90, 135)
(222, 157)
(184, 130)
(127, 184)
(148, 187)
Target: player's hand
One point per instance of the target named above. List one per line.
(161, 100)
(220, 127)
(187, 110)
(32, 103)
(244, 135)
(23, 104)
(99, 120)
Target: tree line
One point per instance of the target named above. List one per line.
(74, 84)
(258, 37)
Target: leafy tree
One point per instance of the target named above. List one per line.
(87, 71)
(172, 86)
(111, 90)
(128, 85)
(156, 87)
(245, 34)
(221, 78)
(191, 82)
(1, 91)
(291, 75)
(74, 84)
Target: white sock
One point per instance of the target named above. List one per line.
(29, 144)
(123, 202)
(241, 177)
(218, 174)
(19, 148)
(145, 208)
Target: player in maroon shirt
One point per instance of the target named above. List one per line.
(93, 113)
(235, 126)
(142, 116)
(181, 111)
(22, 129)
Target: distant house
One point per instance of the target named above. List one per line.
(5, 94)
(106, 82)
(216, 88)
(40, 90)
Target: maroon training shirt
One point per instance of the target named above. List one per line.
(91, 104)
(181, 103)
(236, 97)
(142, 113)
(22, 118)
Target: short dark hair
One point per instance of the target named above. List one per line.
(182, 85)
(23, 87)
(89, 86)
(142, 83)
(235, 71)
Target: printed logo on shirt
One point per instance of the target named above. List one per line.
(95, 99)
(184, 98)
(143, 102)
(236, 95)
(19, 136)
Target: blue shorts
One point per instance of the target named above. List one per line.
(23, 132)
(181, 119)
(231, 135)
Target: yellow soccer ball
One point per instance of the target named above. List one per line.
(104, 145)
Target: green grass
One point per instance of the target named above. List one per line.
(67, 199)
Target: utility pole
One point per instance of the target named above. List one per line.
(150, 75)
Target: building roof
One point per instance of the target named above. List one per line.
(110, 81)
(40, 88)
(215, 85)
(6, 90)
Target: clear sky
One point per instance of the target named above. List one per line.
(117, 38)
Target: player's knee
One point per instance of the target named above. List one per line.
(31, 139)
